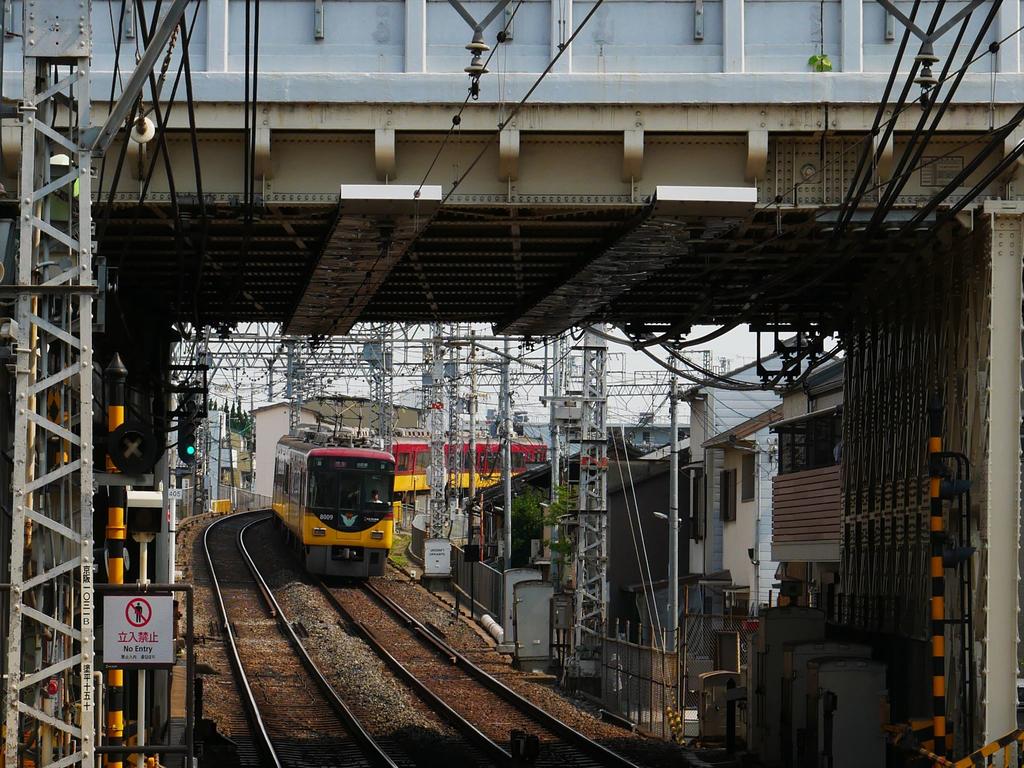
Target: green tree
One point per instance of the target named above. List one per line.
(527, 524)
(563, 504)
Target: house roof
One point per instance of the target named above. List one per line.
(664, 451)
(740, 433)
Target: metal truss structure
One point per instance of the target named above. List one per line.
(438, 512)
(51, 628)
(591, 552)
(955, 335)
(379, 355)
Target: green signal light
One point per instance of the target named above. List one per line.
(190, 450)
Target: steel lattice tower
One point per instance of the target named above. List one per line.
(591, 567)
(52, 525)
(436, 422)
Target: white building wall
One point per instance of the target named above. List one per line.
(767, 468)
(271, 426)
(752, 529)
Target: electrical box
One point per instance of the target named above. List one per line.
(795, 657)
(561, 612)
(845, 701)
(712, 705)
(778, 626)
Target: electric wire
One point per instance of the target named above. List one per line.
(656, 618)
(648, 585)
(522, 102)
(457, 117)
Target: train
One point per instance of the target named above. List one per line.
(335, 504)
(412, 463)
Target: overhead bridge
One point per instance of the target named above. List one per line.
(682, 163)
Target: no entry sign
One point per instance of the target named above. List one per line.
(138, 630)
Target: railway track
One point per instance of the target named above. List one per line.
(482, 707)
(295, 716)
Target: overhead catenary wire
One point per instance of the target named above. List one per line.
(457, 117)
(646, 584)
(522, 102)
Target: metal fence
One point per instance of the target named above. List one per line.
(240, 500)
(639, 682)
(481, 584)
(701, 639)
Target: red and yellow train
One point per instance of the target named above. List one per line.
(412, 464)
(336, 505)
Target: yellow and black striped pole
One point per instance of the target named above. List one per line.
(117, 532)
(937, 539)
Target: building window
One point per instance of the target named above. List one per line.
(727, 495)
(812, 443)
(749, 470)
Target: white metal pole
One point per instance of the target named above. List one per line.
(472, 422)
(673, 515)
(506, 478)
(140, 704)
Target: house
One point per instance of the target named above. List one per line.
(734, 401)
(807, 489)
(748, 465)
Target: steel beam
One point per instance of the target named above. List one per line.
(1001, 523)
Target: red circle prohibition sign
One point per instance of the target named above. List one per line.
(138, 612)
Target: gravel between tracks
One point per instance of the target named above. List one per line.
(376, 696)
(577, 713)
(382, 702)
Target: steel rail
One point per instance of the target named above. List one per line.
(245, 689)
(431, 699)
(373, 750)
(431, 639)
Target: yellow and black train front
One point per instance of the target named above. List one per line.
(336, 505)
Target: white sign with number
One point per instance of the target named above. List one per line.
(175, 494)
(138, 630)
(437, 557)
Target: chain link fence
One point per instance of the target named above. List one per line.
(638, 683)
(702, 637)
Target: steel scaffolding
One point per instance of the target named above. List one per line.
(51, 572)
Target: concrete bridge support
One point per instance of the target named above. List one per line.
(947, 322)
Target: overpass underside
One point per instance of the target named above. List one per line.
(560, 228)
(548, 229)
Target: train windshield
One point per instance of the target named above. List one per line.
(350, 485)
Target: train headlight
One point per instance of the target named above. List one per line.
(319, 531)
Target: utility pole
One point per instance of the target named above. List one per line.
(591, 596)
(472, 421)
(673, 515)
(555, 430)
(506, 459)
